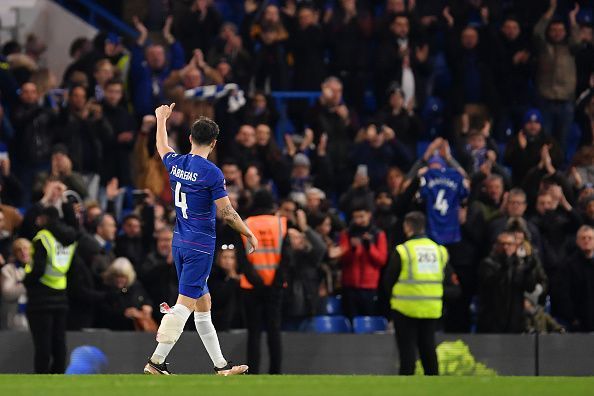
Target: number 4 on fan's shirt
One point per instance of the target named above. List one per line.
(443, 190)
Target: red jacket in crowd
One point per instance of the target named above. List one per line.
(361, 265)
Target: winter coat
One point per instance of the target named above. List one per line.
(502, 283)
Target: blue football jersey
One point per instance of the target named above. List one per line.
(442, 190)
(196, 183)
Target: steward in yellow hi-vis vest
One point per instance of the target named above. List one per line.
(415, 280)
(47, 305)
(263, 280)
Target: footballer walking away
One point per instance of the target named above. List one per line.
(199, 191)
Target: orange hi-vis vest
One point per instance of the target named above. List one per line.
(270, 230)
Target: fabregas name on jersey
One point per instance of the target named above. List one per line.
(182, 174)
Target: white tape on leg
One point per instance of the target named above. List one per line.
(171, 327)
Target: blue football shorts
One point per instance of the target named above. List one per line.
(193, 269)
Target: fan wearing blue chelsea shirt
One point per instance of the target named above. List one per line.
(443, 188)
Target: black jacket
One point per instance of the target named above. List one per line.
(502, 283)
(304, 277)
(111, 311)
(225, 299)
(84, 296)
(160, 281)
(577, 292)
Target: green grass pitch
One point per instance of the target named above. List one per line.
(289, 385)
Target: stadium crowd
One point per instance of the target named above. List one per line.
(496, 96)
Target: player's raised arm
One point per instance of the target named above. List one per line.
(231, 217)
(163, 112)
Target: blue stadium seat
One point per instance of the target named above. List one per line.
(369, 324)
(332, 305)
(330, 324)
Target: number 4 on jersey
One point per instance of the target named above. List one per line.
(441, 205)
(180, 200)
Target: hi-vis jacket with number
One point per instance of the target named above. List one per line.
(270, 230)
(418, 293)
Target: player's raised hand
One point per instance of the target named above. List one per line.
(252, 244)
(164, 111)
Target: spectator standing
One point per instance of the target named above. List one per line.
(149, 67)
(402, 59)
(348, 29)
(523, 151)
(228, 48)
(364, 253)
(123, 126)
(85, 291)
(158, 273)
(307, 44)
(556, 71)
(13, 292)
(443, 189)
(473, 88)
(304, 272)
(86, 134)
(198, 27)
(397, 116)
(577, 288)
(269, 39)
(513, 72)
(332, 117)
(503, 279)
(34, 136)
(223, 284)
(556, 220)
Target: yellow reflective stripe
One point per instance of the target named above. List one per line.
(400, 297)
(410, 262)
(420, 282)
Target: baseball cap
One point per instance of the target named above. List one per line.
(533, 115)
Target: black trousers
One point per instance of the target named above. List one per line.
(359, 302)
(263, 312)
(48, 329)
(411, 334)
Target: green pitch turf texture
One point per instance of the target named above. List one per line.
(289, 385)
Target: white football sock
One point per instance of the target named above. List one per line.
(209, 338)
(163, 349)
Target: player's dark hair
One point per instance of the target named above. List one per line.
(204, 131)
(416, 221)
